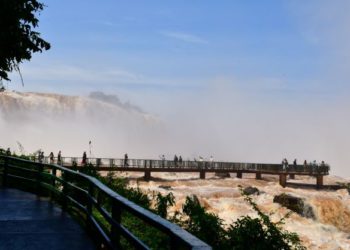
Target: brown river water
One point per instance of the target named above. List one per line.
(329, 230)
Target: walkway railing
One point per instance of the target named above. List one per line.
(99, 207)
(310, 169)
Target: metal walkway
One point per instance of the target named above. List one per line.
(28, 222)
(202, 167)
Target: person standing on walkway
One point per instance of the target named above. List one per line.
(126, 159)
(176, 160)
(51, 157)
(59, 158)
(180, 161)
(41, 156)
(286, 165)
(211, 160)
(83, 161)
(162, 157)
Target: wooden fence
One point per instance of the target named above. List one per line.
(102, 210)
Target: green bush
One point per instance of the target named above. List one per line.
(163, 203)
(206, 226)
(245, 233)
(260, 233)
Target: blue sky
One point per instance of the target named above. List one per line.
(247, 80)
(278, 48)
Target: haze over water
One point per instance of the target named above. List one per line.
(255, 133)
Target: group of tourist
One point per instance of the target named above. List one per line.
(177, 160)
(313, 164)
(41, 157)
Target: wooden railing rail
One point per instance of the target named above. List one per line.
(100, 208)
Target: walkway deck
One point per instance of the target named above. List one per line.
(27, 222)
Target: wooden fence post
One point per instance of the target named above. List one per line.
(4, 180)
(174, 244)
(116, 216)
(89, 205)
(38, 178)
(64, 190)
(53, 181)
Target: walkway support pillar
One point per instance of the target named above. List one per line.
(283, 180)
(239, 174)
(202, 174)
(319, 181)
(147, 175)
(292, 176)
(258, 176)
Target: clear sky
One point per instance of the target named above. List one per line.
(152, 46)
(270, 77)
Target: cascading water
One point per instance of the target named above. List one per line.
(328, 230)
(54, 122)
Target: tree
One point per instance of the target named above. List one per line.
(18, 40)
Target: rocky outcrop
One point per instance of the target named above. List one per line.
(165, 187)
(251, 190)
(295, 204)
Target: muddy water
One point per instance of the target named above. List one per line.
(329, 230)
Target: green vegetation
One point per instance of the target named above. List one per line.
(261, 232)
(245, 233)
(206, 226)
(18, 40)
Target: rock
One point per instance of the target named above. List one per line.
(251, 190)
(165, 187)
(295, 204)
